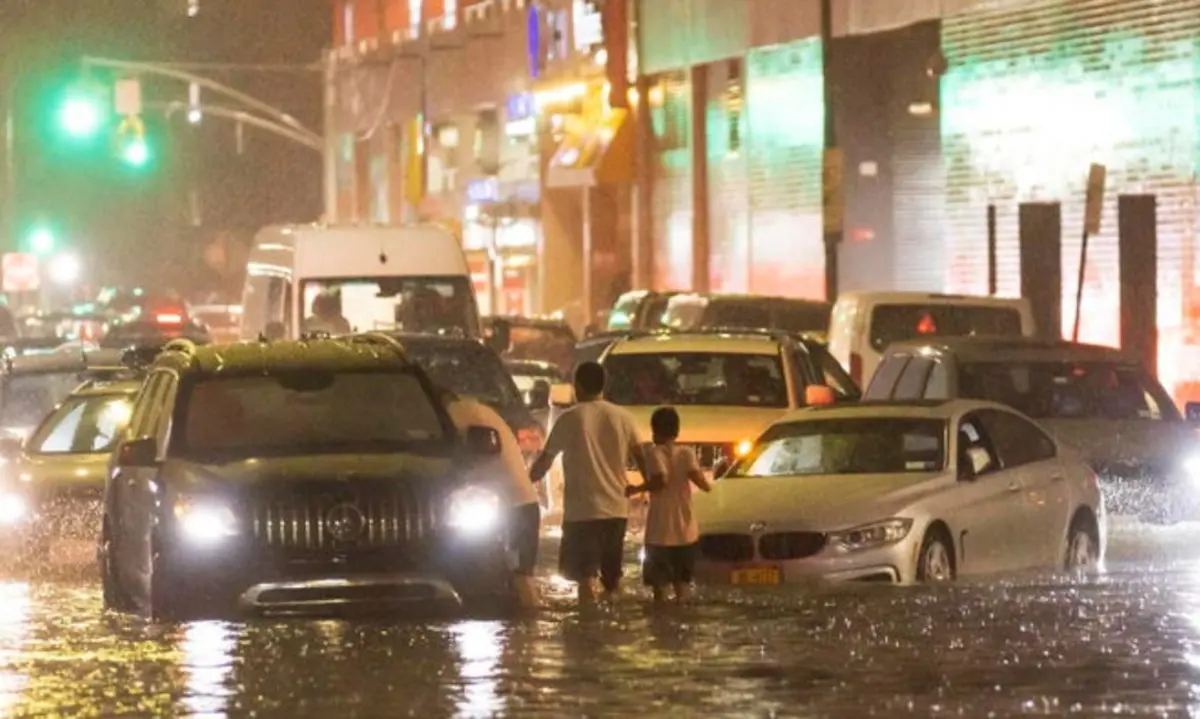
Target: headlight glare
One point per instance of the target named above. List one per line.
(13, 508)
(869, 536)
(1191, 465)
(205, 522)
(474, 511)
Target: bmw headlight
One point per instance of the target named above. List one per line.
(870, 536)
(205, 521)
(474, 511)
(13, 508)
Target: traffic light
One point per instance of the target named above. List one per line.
(41, 240)
(81, 114)
(133, 149)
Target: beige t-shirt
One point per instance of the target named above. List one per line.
(508, 471)
(669, 521)
(596, 440)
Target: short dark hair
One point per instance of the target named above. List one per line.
(590, 378)
(664, 423)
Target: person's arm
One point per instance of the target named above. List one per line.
(653, 474)
(695, 475)
(550, 452)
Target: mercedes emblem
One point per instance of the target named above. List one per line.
(345, 522)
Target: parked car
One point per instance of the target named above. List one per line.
(699, 311)
(532, 339)
(297, 477)
(863, 324)
(32, 386)
(1098, 400)
(900, 493)
(638, 310)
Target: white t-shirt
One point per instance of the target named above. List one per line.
(669, 521)
(596, 440)
(509, 468)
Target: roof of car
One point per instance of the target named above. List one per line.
(732, 342)
(743, 297)
(424, 342)
(926, 409)
(1009, 349)
(333, 354)
(522, 321)
(59, 363)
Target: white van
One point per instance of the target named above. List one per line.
(863, 324)
(410, 279)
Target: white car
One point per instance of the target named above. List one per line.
(900, 493)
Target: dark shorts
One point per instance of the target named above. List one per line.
(524, 534)
(668, 565)
(591, 547)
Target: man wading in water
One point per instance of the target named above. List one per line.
(596, 439)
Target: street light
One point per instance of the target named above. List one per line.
(42, 241)
(81, 116)
(65, 270)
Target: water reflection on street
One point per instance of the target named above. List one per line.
(1127, 642)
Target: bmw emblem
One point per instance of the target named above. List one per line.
(345, 522)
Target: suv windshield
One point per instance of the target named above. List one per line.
(309, 412)
(1069, 390)
(28, 398)
(426, 305)
(848, 446)
(86, 424)
(470, 370)
(898, 323)
(698, 378)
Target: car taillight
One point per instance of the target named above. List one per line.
(856, 370)
(168, 318)
(530, 440)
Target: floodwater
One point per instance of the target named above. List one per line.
(1126, 642)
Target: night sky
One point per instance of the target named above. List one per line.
(136, 226)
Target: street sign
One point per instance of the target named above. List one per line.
(1095, 199)
(21, 272)
(128, 97)
(833, 191)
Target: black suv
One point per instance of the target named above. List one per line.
(287, 477)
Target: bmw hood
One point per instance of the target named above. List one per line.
(818, 503)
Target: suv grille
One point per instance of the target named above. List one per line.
(336, 516)
(727, 547)
(790, 545)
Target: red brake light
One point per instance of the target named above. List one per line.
(169, 318)
(530, 440)
(856, 370)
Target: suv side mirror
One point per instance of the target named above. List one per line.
(538, 396)
(1191, 412)
(562, 395)
(483, 441)
(140, 452)
(10, 447)
(819, 395)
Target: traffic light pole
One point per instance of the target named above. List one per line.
(241, 116)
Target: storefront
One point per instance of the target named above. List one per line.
(501, 235)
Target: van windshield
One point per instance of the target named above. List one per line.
(423, 305)
(899, 323)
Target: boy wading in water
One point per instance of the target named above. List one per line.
(596, 439)
(671, 529)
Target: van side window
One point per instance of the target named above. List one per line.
(911, 384)
(884, 381)
(938, 385)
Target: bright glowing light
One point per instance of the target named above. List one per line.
(12, 508)
(81, 117)
(65, 270)
(195, 115)
(117, 413)
(205, 523)
(208, 662)
(136, 153)
(743, 448)
(480, 647)
(168, 318)
(474, 511)
(42, 241)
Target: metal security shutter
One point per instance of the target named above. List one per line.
(728, 185)
(786, 110)
(670, 114)
(1035, 94)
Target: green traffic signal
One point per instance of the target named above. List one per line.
(135, 152)
(81, 115)
(41, 241)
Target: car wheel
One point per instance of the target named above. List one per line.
(936, 562)
(1083, 551)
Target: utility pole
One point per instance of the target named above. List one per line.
(832, 176)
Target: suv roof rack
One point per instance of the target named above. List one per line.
(382, 339)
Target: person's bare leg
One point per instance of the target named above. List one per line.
(683, 591)
(586, 592)
(660, 594)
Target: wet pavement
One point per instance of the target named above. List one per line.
(1126, 643)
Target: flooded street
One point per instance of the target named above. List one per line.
(1124, 643)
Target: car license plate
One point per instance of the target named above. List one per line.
(756, 576)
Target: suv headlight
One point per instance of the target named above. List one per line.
(205, 521)
(869, 536)
(474, 511)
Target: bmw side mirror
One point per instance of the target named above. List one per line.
(1191, 411)
(483, 441)
(138, 453)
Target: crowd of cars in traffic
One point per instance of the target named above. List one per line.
(893, 437)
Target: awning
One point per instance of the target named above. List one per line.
(600, 154)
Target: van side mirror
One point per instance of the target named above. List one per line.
(138, 453)
(562, 395)
(483, 441)
(1191, 412)
(538, 396)
(819, 395)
